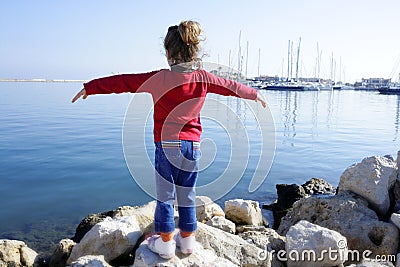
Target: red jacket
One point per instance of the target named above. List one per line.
(177, 96)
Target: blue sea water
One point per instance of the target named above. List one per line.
(61, 161)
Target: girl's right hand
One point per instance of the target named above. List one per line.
(260, 99)
(82, 93)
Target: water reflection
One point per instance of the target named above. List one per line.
(289, 111)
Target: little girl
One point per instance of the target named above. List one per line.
(178, 96)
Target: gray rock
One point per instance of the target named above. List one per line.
(16, 253)
(396, 195)
(111, 238)
(206, 209)
(350, 217)
(90, 261)
(395, 219)
(243, 212)
(372, 264)
(288, 194)
(307, 244)
(372, 179)
(223, 224)
(267, 239)
(318, 186)
(252, 228)
(61, 253)
(398, 165)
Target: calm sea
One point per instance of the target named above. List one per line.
(61, 161)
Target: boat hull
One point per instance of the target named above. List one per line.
(389, 91)
(285, 87)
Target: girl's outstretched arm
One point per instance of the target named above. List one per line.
(81, 93)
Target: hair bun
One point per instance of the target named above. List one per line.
(190, 32)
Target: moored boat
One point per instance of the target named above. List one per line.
(290, 86)
(395, 90)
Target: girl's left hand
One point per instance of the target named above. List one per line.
(82, 93)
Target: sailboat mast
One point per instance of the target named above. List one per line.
(259, 54)
(288, 62)
(291, 60)
(297, 61)
(229, 66)
(239, 56)
(247, 56)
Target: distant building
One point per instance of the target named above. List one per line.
(375, 83)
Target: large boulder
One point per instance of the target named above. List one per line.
(111, 238)
(231, 247)
(307, 244)
(349, 216)
(243, 212)
(206, 209)
(372, 179)
(16, 253)
(144, 216)
(201, 257)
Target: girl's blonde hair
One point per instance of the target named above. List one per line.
(183, 41)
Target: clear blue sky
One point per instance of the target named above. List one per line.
(86, 39)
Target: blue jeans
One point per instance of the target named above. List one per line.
(176, 164)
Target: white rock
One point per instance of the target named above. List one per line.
(111, 238)
(231, 247)
(28, 256)
(308, 244)
(371, 178)
(243, 212)
(16, 253)
(201, 257)
(206, 209)
(90, 261)
(223, 224)
(144, 215)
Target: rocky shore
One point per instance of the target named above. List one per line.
(315, 224)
